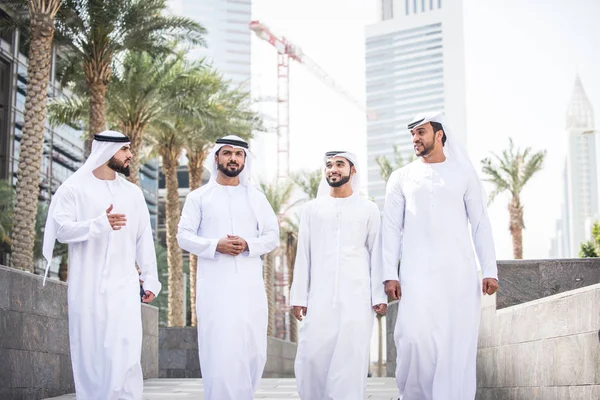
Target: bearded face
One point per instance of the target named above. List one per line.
(121, 160)
(230, 161)
(338, 171)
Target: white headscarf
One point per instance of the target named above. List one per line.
(237, 143)
(324, 188)
(103, 149)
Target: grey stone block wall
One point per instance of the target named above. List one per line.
(547, 349)
(150, 341)
(178, 355)
(522, 281)
(35, 361)
(280, 359)
(527, 280)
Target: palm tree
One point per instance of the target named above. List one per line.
(98, 32)
(511, 172)
(167, 140)
(308, 182)
(279, 195)
(386, 167)
(134, 98)
(40, 33)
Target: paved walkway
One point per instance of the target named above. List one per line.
(274, 389)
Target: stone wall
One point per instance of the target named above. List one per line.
(150, 341)
(547, 349)
(178, 355)
(520, 281)
(527, 280)
(35, 360)
(280, 359)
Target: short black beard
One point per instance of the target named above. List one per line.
(120, 168)
(343, 180)
(231, 174)
(426, 150)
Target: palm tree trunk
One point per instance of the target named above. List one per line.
(515, 210)
(269, 274)
(30, 159)
(97, 108)
(174, 257)
(291, 248)
(195, 170)
(379, 346)
(97, 73)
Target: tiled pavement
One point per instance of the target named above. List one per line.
(274, 389)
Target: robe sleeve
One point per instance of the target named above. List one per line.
(187, 236)
(301, 281)
(481, 228)
(390, 242)
(68, 229)
(269, 238)
(145, 252)
(378, 295)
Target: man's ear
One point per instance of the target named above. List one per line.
(353, 170)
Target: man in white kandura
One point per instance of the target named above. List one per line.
(428, 207)
(229, 224)
(335, 287)
(105, 221)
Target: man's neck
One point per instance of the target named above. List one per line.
(225, 180)
(434, 157)
(342, 191)
(105, 173)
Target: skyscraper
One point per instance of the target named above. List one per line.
(228, 36)
(580, 203)
(414, 63)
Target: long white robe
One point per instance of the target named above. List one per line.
(105, 321)
(231, 303)
(333, 278)
(439, 311)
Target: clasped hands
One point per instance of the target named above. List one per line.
(232, 245)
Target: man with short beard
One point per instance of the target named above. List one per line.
(105, 221)
(335, 289)
(429, 206)
(229, 225)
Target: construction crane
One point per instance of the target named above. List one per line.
(286, 51)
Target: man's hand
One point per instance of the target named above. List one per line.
(392, 289)
(299, 312)
(232, 245)
(489, 286)
(239, 242)
(116, 221)
(380, 309)
(148, 297)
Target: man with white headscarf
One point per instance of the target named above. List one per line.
(335, 289)
(428, 207)
(229, 225)
(105, 221)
